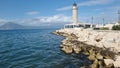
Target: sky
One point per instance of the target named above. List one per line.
(56, 12)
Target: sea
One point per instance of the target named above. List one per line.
(35, 48)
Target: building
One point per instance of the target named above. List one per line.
(75, 23)
(108, 26)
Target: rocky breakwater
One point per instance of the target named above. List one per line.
(101, 47)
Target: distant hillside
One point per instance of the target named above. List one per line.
(11, 26)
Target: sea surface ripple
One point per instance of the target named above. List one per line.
(34, 49)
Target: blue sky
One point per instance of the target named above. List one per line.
(47, 12)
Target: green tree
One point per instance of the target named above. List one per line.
(116, 27)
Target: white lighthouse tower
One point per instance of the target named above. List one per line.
(75, 23)
(75, 14)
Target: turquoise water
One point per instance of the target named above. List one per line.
(35, 49)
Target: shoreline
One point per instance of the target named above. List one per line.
(101, 56)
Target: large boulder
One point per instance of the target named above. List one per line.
(91, 57)
(108, 62)
(99, 56)
(67, 49)
(117, 62)
(76, 49)
(95, 64)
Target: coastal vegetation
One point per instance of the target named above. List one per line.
(102, 28)
(116, 27)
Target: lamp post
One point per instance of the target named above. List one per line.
(92, 21)
(103, 21)
(119, 17)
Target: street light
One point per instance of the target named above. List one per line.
(103, 21)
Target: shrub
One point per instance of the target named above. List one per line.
(104, 28)
(96, 28)
(116, 27)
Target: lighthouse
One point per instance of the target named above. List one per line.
(75, 23)
(75, 14)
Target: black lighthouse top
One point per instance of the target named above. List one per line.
(74, 4)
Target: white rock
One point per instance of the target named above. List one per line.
(116, 64)
(108, 39)
(108, 61)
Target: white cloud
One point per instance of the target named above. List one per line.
(56, 18)
(62, 19)
(111, 8)
(41, 21)
(32, 13)
(49, 20)
(87, 3)
(64, 8)
(3, 21)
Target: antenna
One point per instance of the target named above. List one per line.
(119, 17)
(92, 21)
(103, 22)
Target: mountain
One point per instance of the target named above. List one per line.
(11, 26)
(14, 26)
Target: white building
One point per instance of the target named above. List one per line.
(109, 26)
(75, 23)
